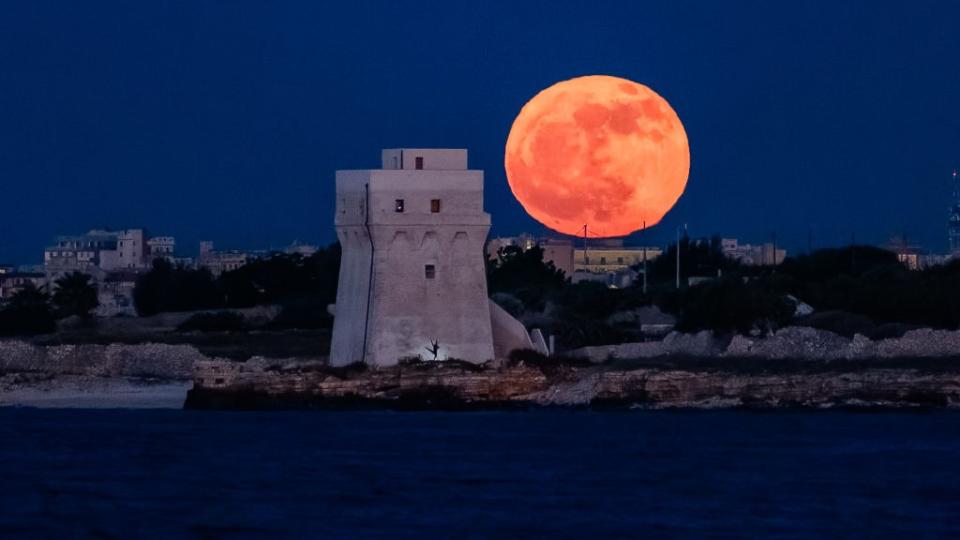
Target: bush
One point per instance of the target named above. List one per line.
(175, 288)
(523, 274)
(75, 294)
(510, 303)
(839, 322)
(282, 278)
(728, 305)
(531, 357)
(221, 321)
(304, 314)
(27, 314)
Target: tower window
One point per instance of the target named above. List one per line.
(419, 163)
(398, 205)
(430, 271)
(603, 260)
(435, 206)
(619, 260)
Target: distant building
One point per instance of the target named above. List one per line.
(162, 247)
(908, 254)
(305, 250)
(767, 254)
(101, 251)
(113, 259)
(604, 260)
(559, 251)
(610, 255)
(218, 262)
(91, 253)
(914, 256)
(13, 281)
(115, 294)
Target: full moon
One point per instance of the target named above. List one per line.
(599, 151)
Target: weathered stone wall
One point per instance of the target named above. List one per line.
(151, 360)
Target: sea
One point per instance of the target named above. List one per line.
(131, 474)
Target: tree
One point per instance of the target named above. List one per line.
(75, 294)
(282, 278)
(701, 257)
(523, 274)
(729, 304)
(175, 288)
(28, 313)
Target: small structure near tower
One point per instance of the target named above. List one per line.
(412, 274)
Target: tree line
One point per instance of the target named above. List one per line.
(302, 285)
(32, 311)
(854, 289)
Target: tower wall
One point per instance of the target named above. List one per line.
(419, 276)
(350, 323)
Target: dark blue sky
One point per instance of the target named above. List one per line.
(226, 121)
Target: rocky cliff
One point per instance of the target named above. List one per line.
(796, 367)
(453, 386)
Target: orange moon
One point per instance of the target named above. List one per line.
(599, 151)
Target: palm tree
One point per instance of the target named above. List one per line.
(75, 294)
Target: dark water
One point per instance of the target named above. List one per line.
(175, 474)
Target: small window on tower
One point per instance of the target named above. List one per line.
(430, 271)
(419, 163)
(435, 206)
(398, 205)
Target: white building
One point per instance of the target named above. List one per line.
(767, 254)
(412, 278)
(101, 251)
(218, 262)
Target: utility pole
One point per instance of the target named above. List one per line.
(585, 260)
(853, 252)
(774, 252)
(644, 240)
(678, 253)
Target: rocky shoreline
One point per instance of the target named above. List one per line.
(794, 368)
(449, 386)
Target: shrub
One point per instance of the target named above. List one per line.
(175, 288)
(75, 294)
(306, 314)
(221, 321)
(27, 314)
(728, 305)
(532, 358)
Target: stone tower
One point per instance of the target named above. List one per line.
(412, 277)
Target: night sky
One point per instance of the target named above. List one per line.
(226, 121)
